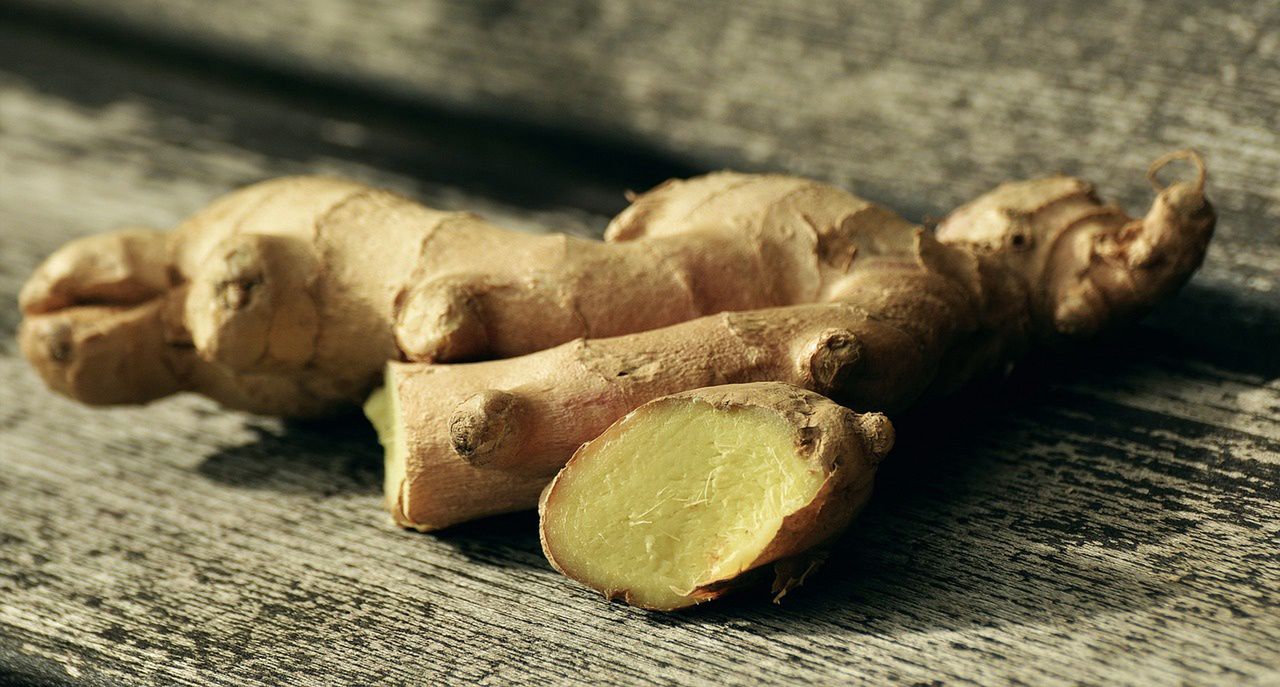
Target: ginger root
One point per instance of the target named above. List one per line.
(290, 297)
(673, 503)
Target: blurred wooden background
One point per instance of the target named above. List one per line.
(1108, 518)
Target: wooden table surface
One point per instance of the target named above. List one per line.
(1109, 517)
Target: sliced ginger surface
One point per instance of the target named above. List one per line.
(678, 496)
(383, 411)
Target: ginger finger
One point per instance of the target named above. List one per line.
(123, 267)
(483, 438)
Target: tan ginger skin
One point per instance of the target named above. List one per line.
(288, 297)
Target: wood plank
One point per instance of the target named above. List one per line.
(1108, 518)
(920, 103)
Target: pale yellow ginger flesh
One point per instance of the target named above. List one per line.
(383, 411)
(679, 499)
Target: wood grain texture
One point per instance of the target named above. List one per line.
(1106, 518)
(921, 103)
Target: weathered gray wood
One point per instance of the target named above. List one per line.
(921, 103)
(1109, 519)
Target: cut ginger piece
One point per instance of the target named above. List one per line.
(677, 502)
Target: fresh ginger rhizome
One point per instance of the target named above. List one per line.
(709, 350)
